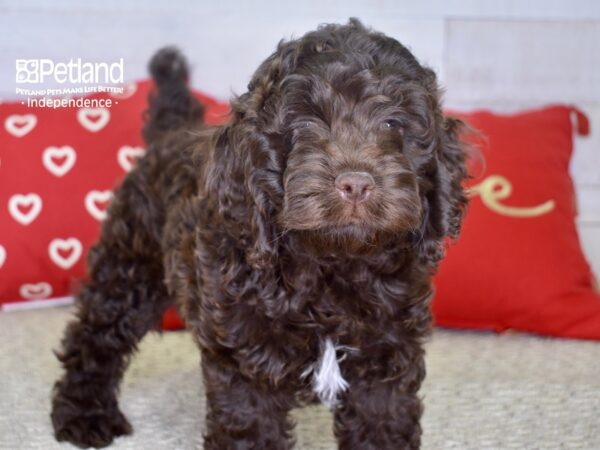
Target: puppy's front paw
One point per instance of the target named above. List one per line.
(88, 429)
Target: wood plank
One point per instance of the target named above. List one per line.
(257, 9)
(223, 53)
(496, 61)
(590, 243)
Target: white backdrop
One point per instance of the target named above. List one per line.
(495, 54)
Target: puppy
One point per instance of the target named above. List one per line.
(298, 241)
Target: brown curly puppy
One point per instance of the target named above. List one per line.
(298, 241)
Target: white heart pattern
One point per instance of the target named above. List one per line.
(18, 125)
(65, 252)
(32, 291)
(127, 156)
(2, 256)
(93, 119)
(59, 160)
(25, 208)
(93, 198)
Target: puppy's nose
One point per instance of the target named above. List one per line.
(355, 187)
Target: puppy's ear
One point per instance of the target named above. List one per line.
(452, 172)
(447, 201)
(248, 162)
(244, 178)
(259, 149)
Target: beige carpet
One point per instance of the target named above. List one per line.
(483, 391)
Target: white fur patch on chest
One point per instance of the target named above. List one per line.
(327, 376)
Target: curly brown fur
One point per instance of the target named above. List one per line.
(268, 254)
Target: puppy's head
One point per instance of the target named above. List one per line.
(350, 149)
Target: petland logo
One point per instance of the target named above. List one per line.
(48, 84)
(36, 71)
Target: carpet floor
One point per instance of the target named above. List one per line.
(483, 391)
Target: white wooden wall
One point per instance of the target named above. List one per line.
(495, 54)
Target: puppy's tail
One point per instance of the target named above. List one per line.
(172, 105)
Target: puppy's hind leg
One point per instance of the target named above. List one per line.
(124, 297)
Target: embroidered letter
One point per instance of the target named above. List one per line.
(495, 188)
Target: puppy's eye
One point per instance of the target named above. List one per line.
(390, 124)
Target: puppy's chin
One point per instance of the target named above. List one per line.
(343, 241)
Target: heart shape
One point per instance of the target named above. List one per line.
(128, 90)
(32, 291)
(93, 119)
(127, 156)
(25, 208)
(18, 125)
(96, 203)
(65, 252)
(59, 160)
(2, 256)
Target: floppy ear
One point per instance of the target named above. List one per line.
(452, 172)
(245, 179)
(248, 158)
(447, 201)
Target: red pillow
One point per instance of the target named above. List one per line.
(57, 170)
(518, 263)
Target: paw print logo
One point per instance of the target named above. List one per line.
(27, 70)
